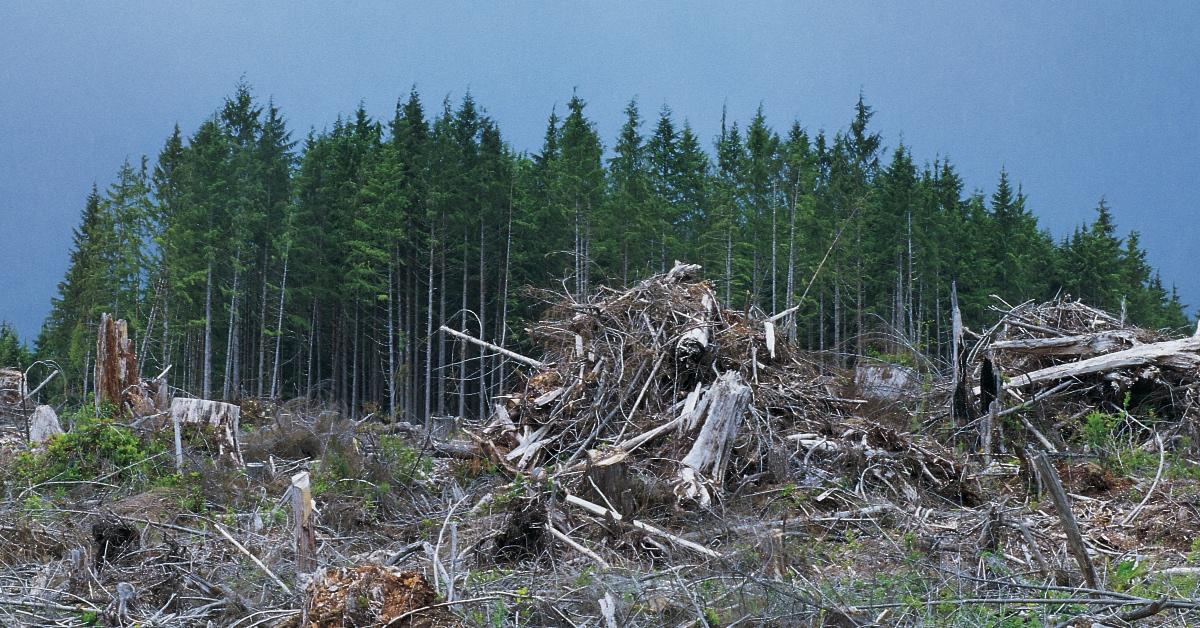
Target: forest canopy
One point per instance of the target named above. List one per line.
(259, 264)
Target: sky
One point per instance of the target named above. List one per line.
(1077, 100)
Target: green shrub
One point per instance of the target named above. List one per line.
(94, 448)
(1098, 429)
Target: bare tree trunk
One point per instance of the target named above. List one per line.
(262, 333)
(229, 342)
(312, 341)
(279, 328)
(429, 342)
(354, 368)
(441, 359)
(391, 340)
(462, 353)
(791, 270)
(728, 265)
(483, 360)
(504, 295)
(206, 375)
(774, 249)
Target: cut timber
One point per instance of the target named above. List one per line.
(722, 408)
(222, 416)
(12, 387)
(1082, 345)
(1180, 354)
(306, 535)
(497, 349)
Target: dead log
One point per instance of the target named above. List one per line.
(13, 390)
(960, 407)
(116, 363)
(224, 417)
(1179, 354)
(1081, 345)
(1062, 504)
(721, 408)
(118, 381)
(421, 439)
(497, 349)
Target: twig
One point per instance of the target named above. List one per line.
(402, 616)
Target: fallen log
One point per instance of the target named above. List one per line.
(1179, 354)
(1062, 504)
(1081, 345)
(417, 435)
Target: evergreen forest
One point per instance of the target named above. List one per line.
(262, 262)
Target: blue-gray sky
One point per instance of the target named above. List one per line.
(1076, 99)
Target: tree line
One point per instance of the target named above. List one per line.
(259, 265)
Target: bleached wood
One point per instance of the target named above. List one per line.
(1063, 505)
(722, 407)
(223, 416)
(1083, 345)
(1181, 354)
(501, 350)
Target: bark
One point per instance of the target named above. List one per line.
(391, 340)
(230, 346)
(116, 363)
(429, 342)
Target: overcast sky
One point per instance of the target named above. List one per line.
(1078, 99)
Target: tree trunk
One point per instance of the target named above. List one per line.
(230, 346)
(429, 342)
(279, 328)
(391, 340)
(262, 332)
(206, 374)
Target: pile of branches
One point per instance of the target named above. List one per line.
(660, 395)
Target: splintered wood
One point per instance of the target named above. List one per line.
(118, 380)
(721, 409)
